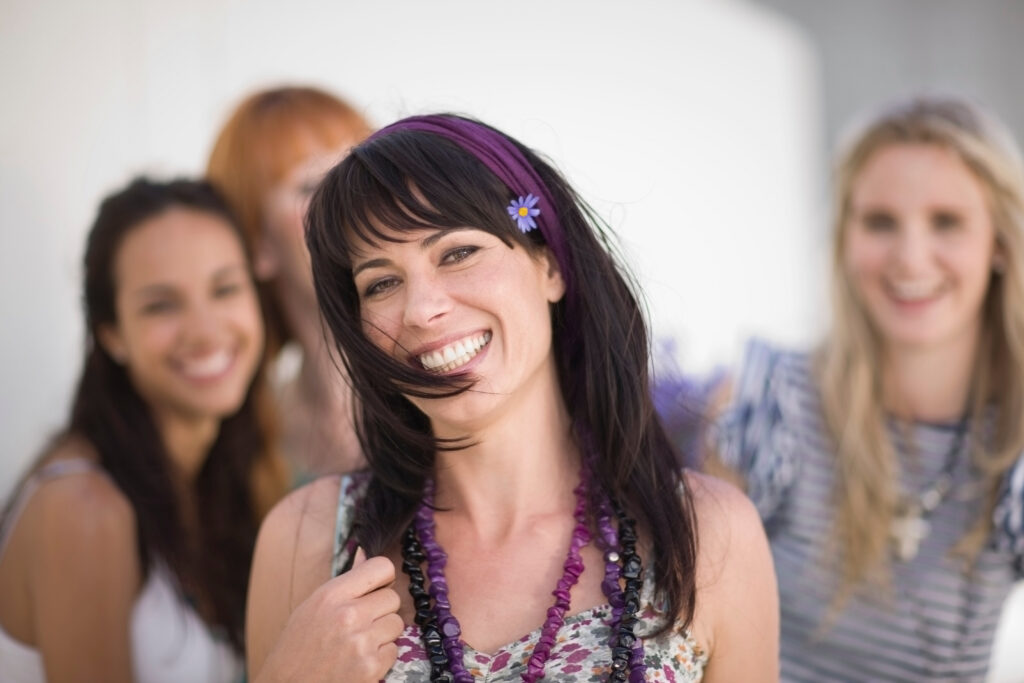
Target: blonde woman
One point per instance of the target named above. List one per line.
(886, 466)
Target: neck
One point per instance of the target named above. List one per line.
(188, 442)
(931, 385)
(320, 380)
(524, 466)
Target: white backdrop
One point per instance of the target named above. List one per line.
(691, 125)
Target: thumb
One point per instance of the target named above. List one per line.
(359, 557)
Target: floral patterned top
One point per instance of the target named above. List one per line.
(580, 654)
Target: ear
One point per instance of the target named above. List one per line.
(554, 285)
(266, 263)
(109, 337)
(999, 258)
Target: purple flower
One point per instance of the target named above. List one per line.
(523, 210)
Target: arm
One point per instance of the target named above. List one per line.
(85, 575)
(737, 594)
(301, 624)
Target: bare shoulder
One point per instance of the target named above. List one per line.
(737, 595)
(300, 529)
(725, 515)
(292, 559)
(85, 509)
(295, 543)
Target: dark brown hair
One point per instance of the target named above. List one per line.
(241, 476)
(415, 180)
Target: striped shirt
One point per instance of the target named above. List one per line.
(936, 623)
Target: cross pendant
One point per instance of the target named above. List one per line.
(906, 534)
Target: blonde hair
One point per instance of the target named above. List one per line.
(269, 133)
(849, 362)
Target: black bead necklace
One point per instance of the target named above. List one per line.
(623, 561)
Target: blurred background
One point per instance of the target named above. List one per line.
(700, 129)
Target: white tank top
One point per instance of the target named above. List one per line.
(169, 641)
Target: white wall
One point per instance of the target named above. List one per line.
(692, 125)
(688, 124)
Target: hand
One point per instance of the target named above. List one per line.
(345, 630)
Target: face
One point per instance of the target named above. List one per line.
(919, 246)
(461, 302)
(188, 325)
(281, 253)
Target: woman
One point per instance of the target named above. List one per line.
(125, 553)
(887, 466)
(267, 160)
(500, 362)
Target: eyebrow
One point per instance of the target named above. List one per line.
(163, 288)
(425, 243)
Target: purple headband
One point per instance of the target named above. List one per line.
(504, 160)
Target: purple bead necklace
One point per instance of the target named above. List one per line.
(627, 650)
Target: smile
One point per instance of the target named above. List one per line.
(209, 367)
(913, 292)
(454, 355)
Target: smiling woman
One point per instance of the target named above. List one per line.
(518, 473)
(125, 553)
(888, 466)
(267, 160)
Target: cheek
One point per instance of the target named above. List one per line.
(863, 258)
(248, 316)
(150, 338)
(381, 329)
(284, 218)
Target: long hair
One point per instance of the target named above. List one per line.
(241, 476)
(413, 180)
(267, 135)
(849, 363)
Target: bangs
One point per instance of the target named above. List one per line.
(412, 181)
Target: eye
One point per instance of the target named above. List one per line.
(227, 289)
(946, 220)
(879, 221)
(380, 287)
(158, 306)
(458, 254)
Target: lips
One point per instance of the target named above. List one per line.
(913, 292)
(456, 354)
(208, 367)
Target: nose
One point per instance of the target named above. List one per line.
(202, 325)
(913, 247)
(426, 301)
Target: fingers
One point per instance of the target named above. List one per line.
(367, 575)
(380, 603)
(386, 631)
(388, 628)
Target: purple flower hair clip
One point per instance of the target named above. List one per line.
(523, 210)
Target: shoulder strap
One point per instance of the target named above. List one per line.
(351, 492)
(52, 470)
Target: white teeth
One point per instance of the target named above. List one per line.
(454, 355)
(913, 290)
(210, 366)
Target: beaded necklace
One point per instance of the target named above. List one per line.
(440, 630)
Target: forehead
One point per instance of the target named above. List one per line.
(917, 173)
(177, 244)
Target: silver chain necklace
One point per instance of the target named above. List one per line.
(910, 525)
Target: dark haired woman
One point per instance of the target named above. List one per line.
(125, 553)
(519, 474)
